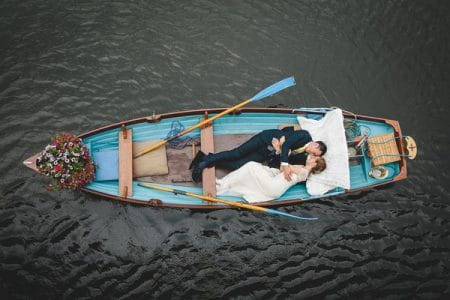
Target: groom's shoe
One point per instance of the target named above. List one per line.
(197, 159)
(197, 175)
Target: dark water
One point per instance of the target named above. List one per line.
(78, 65)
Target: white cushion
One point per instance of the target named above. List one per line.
(330, 130)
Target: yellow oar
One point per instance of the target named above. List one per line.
(232, 203)
(274, 88)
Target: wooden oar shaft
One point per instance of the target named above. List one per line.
(231, 203)
(202, 123)
(211, 199)
(150, 148)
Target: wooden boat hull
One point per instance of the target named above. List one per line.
(245, 121)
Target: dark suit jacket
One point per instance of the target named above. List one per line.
(294, 159)
(293, 139)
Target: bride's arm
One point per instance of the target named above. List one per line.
(301, 171)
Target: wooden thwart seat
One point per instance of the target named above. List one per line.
(209, 174)
(126, 162)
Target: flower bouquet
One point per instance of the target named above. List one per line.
(67, 161)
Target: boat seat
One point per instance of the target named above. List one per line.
(126, 162)
(383, 149)
(209, 174)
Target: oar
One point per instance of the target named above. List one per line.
(269, 91)
(232, 203)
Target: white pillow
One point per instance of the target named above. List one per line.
(330, 130)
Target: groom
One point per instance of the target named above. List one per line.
(259, 148)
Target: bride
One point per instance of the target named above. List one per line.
(257, 183)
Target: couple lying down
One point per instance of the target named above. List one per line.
(291, 157)
(256, 182)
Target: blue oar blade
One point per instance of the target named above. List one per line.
(280, 213)
(274, 88)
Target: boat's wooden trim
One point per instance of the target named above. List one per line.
(200, 112)
(399, 139)
(150, 119)
(160, 203)
(124, 199)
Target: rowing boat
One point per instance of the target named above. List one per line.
(377, 153)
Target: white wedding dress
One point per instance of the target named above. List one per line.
(257, 183)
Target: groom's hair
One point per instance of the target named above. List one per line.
(322, 147)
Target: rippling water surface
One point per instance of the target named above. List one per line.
(78, 65)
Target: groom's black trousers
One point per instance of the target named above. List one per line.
(255, 149)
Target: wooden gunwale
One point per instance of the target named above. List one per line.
(200, 112)
(194, 206)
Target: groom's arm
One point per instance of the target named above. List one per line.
(296, 139)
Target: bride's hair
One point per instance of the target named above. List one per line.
(320, 165)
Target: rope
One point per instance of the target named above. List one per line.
(380, 155)
(383, 142)
(180, 142)
(352, 129)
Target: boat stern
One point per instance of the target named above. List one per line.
(403, 174)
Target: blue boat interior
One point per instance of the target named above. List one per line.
(244, 123)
